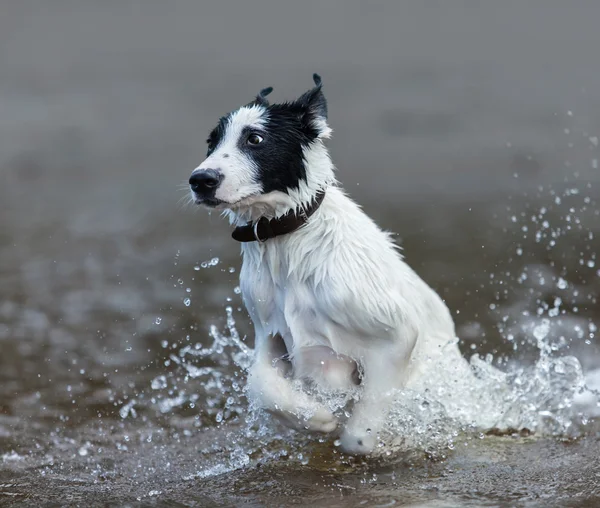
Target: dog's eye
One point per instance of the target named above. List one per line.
(255, 139)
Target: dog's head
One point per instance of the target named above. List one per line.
(266, 154)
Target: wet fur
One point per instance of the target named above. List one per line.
(338, 285)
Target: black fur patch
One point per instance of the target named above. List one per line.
(279, 158)
(288, 130)
(216, 135)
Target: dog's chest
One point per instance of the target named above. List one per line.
(264, 283)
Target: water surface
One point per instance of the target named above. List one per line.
(471, 131)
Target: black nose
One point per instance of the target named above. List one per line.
(205, 180)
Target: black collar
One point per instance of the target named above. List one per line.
(264, 229)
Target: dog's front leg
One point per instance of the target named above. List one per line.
(269, 388)
(384, 373)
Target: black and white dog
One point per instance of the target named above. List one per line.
(325, 287)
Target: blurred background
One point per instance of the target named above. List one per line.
(468, 128)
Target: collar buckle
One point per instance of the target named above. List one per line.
(255, 231)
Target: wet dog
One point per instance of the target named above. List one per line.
(328, 292)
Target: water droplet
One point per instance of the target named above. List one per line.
(127, 410)
(541, 331)
(559, 368)
(159, 383)
(187, 302)
(158, 320)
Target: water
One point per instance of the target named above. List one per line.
(148, 403)
(123, 342)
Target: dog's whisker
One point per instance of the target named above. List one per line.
(185, 201)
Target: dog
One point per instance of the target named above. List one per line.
(328, 292)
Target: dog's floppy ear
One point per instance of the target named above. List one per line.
(314, 104)
(261, 98)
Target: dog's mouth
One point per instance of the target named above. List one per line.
(213, 202)
(210, 202)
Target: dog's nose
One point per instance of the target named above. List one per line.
(205, 180)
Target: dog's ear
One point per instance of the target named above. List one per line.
(261, 98)
(314, 100)
(314, 105)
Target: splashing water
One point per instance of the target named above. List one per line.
(433, 419)
(547, 397)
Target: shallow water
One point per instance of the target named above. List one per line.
(468, 131)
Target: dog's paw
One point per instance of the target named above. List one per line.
(322, 420)
(358, 443)
(316, 420)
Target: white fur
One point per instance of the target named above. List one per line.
(341, 283)
(338, 282)
(238, 170)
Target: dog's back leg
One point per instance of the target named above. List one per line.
(270, 388)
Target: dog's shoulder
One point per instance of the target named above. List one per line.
(354, 268)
